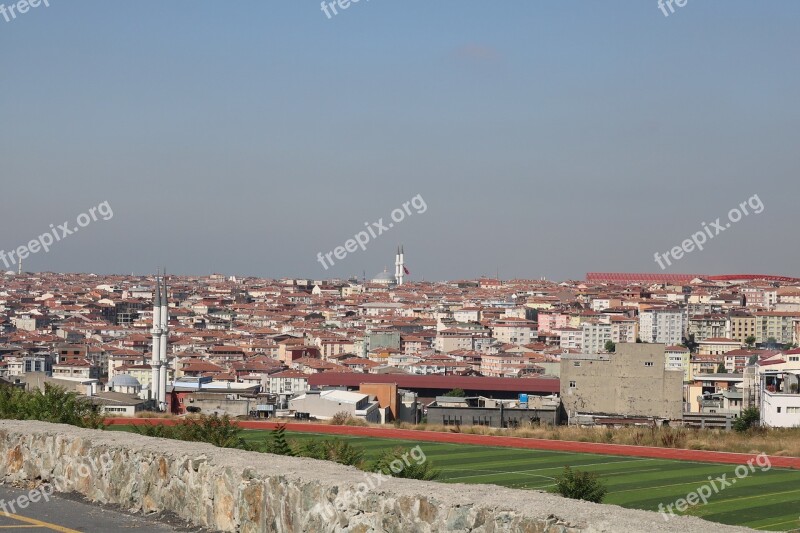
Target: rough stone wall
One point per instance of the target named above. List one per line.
(231, 490)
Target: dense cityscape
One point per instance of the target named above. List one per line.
(256, 347)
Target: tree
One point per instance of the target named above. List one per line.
(610, 346)
(750, 341)
(691, 343)
(278, 444)
(721, 369)
(749, 418)
(580, 485)
(772, 343)
(457, 393)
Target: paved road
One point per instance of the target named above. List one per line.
(68, 516)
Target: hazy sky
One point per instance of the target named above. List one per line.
(546, 138)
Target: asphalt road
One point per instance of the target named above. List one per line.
(68, 515)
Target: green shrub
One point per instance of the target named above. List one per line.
(53, 404)
(219, 431)
(749, 418)
(331, 450)
(580, 485)
(399, 462)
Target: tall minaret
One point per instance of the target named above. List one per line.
(155, 360)
(397, 267)
(162, 367)
(402, 269)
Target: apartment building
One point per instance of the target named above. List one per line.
(741, 325)
(624, 329)
(707, 326)
(594, 336)
(569, 338)
(778, 325)
(678, 358)
(718, 346)
(514, 331)
(661, 325)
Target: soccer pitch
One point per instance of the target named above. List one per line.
(766, 500)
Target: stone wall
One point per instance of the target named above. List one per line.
(230, 490)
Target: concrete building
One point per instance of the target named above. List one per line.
(631, 382)
(718, 346)
(662, 325)
(677, 358)
(482, 411)
(594, 336)
(569, 338)
(780, 398)
(325, 404)
(778, 325)
(741, 325)
(624, 329)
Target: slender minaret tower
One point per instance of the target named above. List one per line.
(402, 268)
(162, 367)
(155, 359)
(397, 266)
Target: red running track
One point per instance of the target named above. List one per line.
(486, 440)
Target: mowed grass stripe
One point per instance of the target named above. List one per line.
(762, 500)
(775, 478)
(733, 513)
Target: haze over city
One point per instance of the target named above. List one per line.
(547, 139)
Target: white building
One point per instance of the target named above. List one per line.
(569, 338)
(661, 326)
(677, 358)
(594, 336)
(324, 405)
(780, 398)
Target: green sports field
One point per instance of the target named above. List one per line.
(767, 500)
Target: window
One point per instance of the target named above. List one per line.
(792, 410)
(572, 385)
(576, 363)
(648, 363)
(779, 409)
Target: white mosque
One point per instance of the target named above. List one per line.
(400, 270)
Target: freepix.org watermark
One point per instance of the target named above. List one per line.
(351, 499)
(664, 4)
(56, 234)
(715, 486)
(330, 7)
(698, 240)
(373, 230)
(96, 467)
(10, 12)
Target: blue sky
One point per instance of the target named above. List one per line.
(547, 138)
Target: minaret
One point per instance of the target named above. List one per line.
(402, 268)
(156, 358)
(397, 266)
(162, 367)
